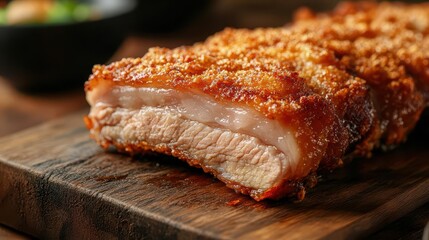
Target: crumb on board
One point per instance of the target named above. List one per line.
(234, 202)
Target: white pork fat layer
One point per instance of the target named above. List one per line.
(204, 109)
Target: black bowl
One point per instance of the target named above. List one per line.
(52, 56)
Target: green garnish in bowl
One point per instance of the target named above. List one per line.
(45, 12)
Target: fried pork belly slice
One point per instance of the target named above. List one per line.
(295, 99)
(263, 156)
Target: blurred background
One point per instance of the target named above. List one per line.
(48, 47)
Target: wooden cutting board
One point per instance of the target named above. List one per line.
(55, 182)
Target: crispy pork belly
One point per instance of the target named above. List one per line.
(249, 151)
(263, 110)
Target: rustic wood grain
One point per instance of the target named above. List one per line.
(19, 110)
(57, 183)
(409, 227)
(10, 234)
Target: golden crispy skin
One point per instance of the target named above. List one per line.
(346, 82)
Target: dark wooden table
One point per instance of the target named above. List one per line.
(19, 111)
